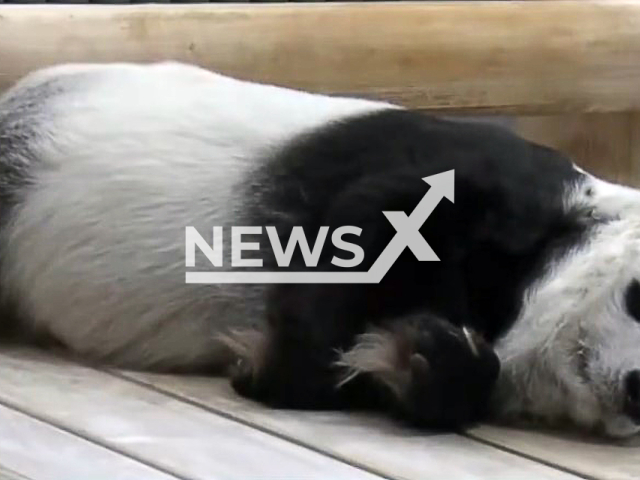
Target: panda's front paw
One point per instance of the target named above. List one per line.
(436, 374)
(451, 374)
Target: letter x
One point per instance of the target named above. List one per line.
(408, 229)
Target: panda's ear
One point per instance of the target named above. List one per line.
(632, 299)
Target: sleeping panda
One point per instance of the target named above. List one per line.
(532, 310)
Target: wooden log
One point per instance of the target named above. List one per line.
(516, 57)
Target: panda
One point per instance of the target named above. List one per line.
(531, 313)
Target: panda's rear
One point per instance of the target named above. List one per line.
(101, 170)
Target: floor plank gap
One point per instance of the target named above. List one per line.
(90, 439)
(31, 449)
(533, 458)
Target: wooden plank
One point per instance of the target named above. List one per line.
(601, 143)
(592, 458)
(541, 57)
(33, 450)
(160, 431)
(372, 442)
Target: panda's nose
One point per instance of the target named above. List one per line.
(632, 395)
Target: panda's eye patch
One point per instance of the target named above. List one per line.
(632, 299)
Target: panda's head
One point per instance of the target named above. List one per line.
(573, 355)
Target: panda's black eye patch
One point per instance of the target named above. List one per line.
(632, 299)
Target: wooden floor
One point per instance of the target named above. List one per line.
(65, 421)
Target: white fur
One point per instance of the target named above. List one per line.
(376, 352)
(128, 157)
(575, 315)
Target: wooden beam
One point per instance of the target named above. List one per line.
(515, 57)
(604, 144)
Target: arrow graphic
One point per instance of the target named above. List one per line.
(407, 236)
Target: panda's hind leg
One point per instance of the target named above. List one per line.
(292, 363)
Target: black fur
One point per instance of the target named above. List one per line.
(507, 218)
(632, 299)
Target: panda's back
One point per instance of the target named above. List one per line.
(514, 211)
